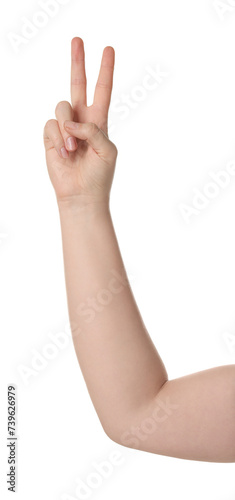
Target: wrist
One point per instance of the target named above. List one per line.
(82, 207)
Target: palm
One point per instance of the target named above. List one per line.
(73, 175)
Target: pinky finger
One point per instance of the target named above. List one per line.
(53, 138)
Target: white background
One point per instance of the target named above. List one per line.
(182, 274)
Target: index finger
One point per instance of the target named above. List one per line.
(103, 89)
(78, 73)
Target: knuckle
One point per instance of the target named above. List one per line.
(92, 128)
(113, 150)
(48, 125)
(78, 81)
(103, 85)
(61, 105)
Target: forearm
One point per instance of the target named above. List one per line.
(190, 417)
(119, 362)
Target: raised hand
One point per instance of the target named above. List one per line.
(80, 157)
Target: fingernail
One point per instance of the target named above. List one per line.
(71, 143)
(64, 153)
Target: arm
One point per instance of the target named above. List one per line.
(124, 374)
(192, 417)
(120, 364)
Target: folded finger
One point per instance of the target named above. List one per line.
(53, 138)
(95, 137)
(63, 112)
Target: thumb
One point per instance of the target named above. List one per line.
(91, 133)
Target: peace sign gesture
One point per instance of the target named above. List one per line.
(80, 157)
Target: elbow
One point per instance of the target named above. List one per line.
(123, 433)
(140, 428)
(125, 438)
(133, 432)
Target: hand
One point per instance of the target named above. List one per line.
(80, 157)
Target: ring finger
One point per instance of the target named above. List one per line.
(63, 112)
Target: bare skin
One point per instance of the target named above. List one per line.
(191, 417)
